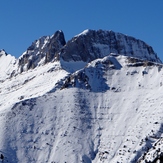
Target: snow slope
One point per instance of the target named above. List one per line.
(81, 124)
(7, 66)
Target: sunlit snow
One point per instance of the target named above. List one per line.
(42, 124)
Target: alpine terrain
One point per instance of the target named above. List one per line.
(97, 98)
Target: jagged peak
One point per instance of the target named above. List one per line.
(58, 37)
(42, 51)
(58, 33)
(3, 52)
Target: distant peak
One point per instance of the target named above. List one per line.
(59, 35)
(3, 52)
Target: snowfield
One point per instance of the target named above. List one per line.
(107, 111)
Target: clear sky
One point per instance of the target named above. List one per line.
(23, 21)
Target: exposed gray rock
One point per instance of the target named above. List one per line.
(81, 78)
(135, 62)
(92, 44)
(41, 51)
(57, 41)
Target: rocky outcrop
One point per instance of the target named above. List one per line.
(92, 44)
(135, 62)
(83, 78)
(154, 155)
(57, 41)
(41, 51)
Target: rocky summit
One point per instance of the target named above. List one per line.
(96, 98)
(42, 51)
(92, 44)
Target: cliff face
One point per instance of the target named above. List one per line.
(41, 51)
(57, 41)
(91, 44)
(85, 47)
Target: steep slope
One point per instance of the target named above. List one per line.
(30, 84)
(41, 51)
(82, 124)
(7, 65)
(92, 44)
(79, 105)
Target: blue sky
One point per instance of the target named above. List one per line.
(23, 21)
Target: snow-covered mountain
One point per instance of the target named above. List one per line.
(96, 98)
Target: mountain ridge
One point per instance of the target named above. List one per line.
(88, 45)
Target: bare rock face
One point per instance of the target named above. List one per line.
(86, 47)
(41, 51)
(57, 41)
(92, 44)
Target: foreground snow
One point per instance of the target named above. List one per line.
(49, 115)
